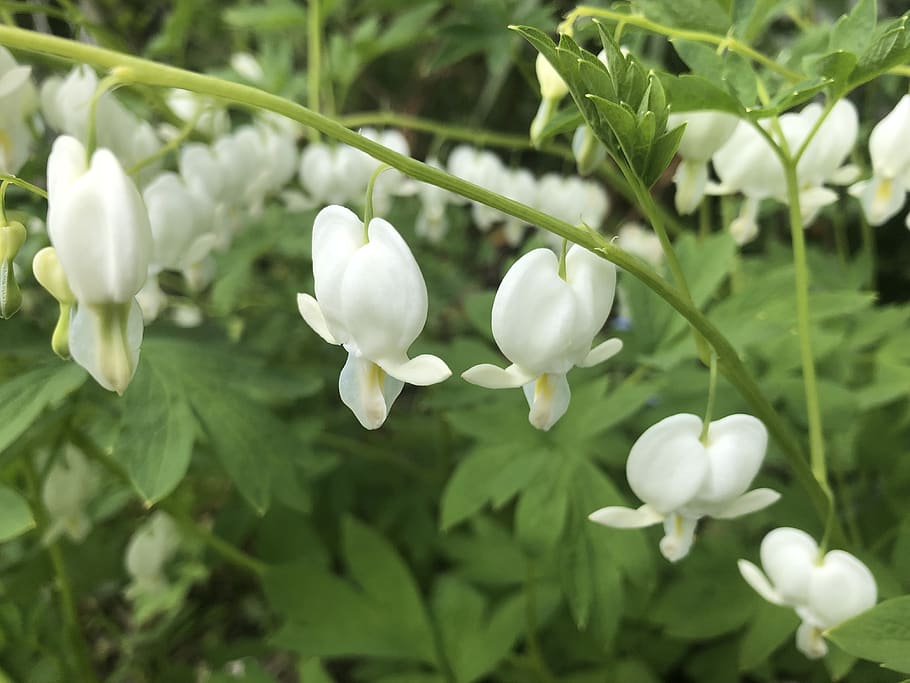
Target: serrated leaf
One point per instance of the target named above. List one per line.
(852, 31)
(880, 634)
(889, 47)
(25, 397)
(15, 514)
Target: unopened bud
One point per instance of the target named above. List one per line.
(589, 153)
(12, 237)
(49, 274)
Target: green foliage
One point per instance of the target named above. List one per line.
(880, 634)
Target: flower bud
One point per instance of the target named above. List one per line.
(49, 274)
(12, 237)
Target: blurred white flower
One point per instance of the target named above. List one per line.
(824, 591)
(370, 298)
(99, 227)
(17, 101)
(181, 223)
(69, 486)
(431, 220)
(748, 164)
(573, 200)
(641, 241)
(480, 167)
(681, 479)
(150, 548)
(706, 132)
(883, 195)
(66, 104)
(545, 325)
(247, 66)
(211, 118)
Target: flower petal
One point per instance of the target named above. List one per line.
(367, 391)
(492, 377)
(667, 465)
(789, 557)
(593, 280)
(840, 588)
(626, 518)
(422, 371)
(534, 315)
(548, 397)
(736, 447)
(752, 501)
(678, 538)
(312, 316)
(337, 236)
(602, 352)
(810, 642)
(383, 295)
(757, 579)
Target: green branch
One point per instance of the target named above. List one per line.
(722, 42)
(151, 73)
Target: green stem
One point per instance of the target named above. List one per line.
(712, 394)
(313, 60)
(107, 83)
(4, 184)
(73, 632)
(18, 182)
(724, 42)
(368, 203)
(729, 362)
(172, 144)
(804, 327)
(227, 551)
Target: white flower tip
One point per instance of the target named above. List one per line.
(756, 578)
(674, 548)
(313, 316)
(752, 501)
(490, 376)
(810, 642)
(421, 371)
(602, 352)
(626, 518)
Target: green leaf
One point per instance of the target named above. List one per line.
(853, 31)
(541, 511)
(382, 615)
(475, 638)
(836, 67)
(487, 474)
(694, 93)
(702, 15)
(769, 629)
(15, 514)
(271, 16)
(24, 398)
(888, 47)
(880, 634)
(156, 431)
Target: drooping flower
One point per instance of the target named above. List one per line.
(68, 487)
(824, 590)
(431, 221)
(99, 227)
(748, 164)
(681, 479)
(883, 195)
(644, 243)
(370, 298)
(545, 325)
(705, 133)
(149, 550)
(17, 101)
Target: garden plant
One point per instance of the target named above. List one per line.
(267, 268)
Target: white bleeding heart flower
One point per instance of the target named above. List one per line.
(483, 168)
(681, 479)
(883, 195)
(68, 488)
(706, 132)
(181, 223)
(149, 550)
(824, 590)
(17, 101)
(431, 222)
(521, 186)
(641, 241)
(370, 298)
(99, 226)
(748, 164)
(545, 325)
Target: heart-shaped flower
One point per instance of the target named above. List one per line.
(824, 590)
(681, 478)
